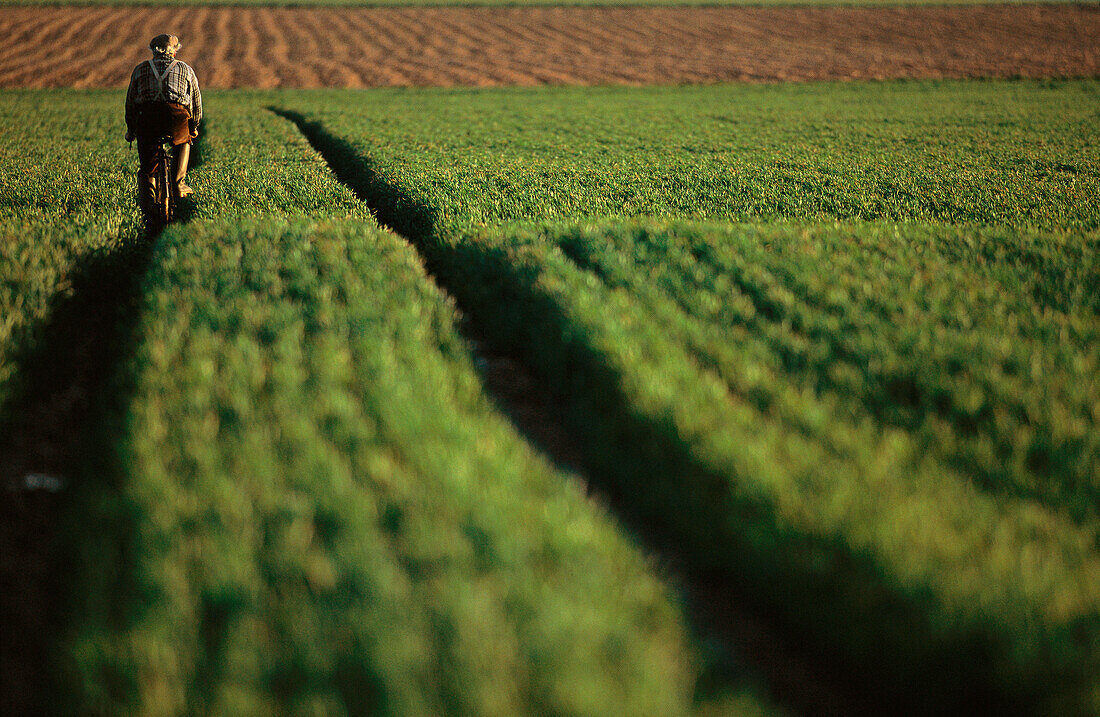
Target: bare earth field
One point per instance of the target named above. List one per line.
(367, 47)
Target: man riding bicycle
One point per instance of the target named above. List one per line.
(163, 101)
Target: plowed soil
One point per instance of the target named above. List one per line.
(367, 47)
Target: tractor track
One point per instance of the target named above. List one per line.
(797, 680)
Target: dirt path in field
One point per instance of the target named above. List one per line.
(368, 47)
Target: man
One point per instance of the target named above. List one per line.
(163, 101)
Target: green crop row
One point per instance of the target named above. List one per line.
(984, 345)
(62, 202)
(871, 412)
(1016, 154)
(852, 534)
(305, 502)
(67, 227)
(68, 219)
(328, 516)
(883, 434)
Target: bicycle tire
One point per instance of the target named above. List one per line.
(164, 193)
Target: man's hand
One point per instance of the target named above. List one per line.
(129, 135)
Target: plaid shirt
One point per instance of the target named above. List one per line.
(180, 86)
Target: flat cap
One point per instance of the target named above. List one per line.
(162, 43)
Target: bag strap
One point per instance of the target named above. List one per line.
(160, 78)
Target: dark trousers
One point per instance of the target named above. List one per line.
(163, 119)
(154, 123)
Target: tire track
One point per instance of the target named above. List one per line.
(330, 47)
(797, 679)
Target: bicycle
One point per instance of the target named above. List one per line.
(163, 209)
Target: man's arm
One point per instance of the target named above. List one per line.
(196, 103)
(131, 104)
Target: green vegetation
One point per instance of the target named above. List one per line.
(306, 503)
(832, 346)
(883, 429)
(992, 153)
(853, 533)
(328, 509)
(49, 219)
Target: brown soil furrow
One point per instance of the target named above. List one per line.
(486, 54)
(373, 40)
(531, 32)
(565, 32)
(49, 51)
(461, 59)
(20, 27)
(303, 47)
(328, 69)
(216, 63)
(192, 28)
(236, 45)
(483, 33)
(377, 35)
(409, 33)
(281, 50)
(98, 68)
(329, 47)
(622, 32)
(250, 69)
(34, 26)
(307, 32)
(88, 37)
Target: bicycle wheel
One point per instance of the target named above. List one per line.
(164, 191)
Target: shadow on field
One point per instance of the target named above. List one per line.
(821, 624)
(58, 440)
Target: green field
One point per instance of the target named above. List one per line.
(835, 347)
(308, 504)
